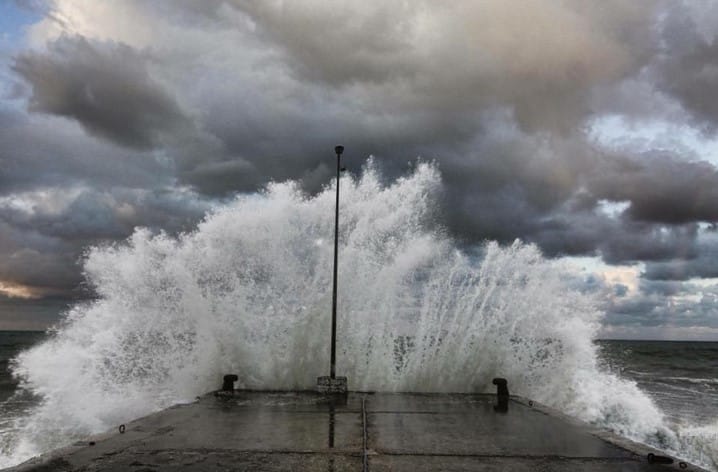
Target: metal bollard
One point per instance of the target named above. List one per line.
(502, 395)
(228, 383)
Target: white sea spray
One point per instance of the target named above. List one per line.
(248, 292)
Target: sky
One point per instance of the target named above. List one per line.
(587, 128)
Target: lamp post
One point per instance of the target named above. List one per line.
(333, 384)
(333, 366)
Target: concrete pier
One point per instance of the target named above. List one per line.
(273, 431)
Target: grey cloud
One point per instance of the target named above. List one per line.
(667, 308)
(660, 187)
(660, 304)
(616, 240)
(42, 249)
(678, 82)
(509, 185)
(633, 242)
(688, 66)
(43, 272)
(662, 287)
(540, 63)
(112, 214)
(221, 177)
(45, 264)
(702, 264)
(104, 86)
(639, 311)
(620, 290)
(228, 95)
(684, 269)
(47, 151)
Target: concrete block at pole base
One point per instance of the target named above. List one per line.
(332, 386)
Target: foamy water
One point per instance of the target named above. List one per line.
(248, 292)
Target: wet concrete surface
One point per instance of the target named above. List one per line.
(268, 431)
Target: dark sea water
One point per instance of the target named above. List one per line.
(681, 377)
(11, 343)
(14, 402)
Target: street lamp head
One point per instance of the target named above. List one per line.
(339, 150)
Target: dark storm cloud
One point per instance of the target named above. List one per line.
(380, 80)
(509, 184)
(616, 240)
(702, 264)
(688, 67)
(41, 247)
(31, 259)
(502, 182)
(661, 188)
(105, 87)
(680, 269)
(225, 96)
(46, 151)
(679, 82)
(541, 62)
(46, 273)
(633, 242)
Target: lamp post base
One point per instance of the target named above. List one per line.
(332, 386)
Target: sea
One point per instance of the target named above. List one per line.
(248, 291)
